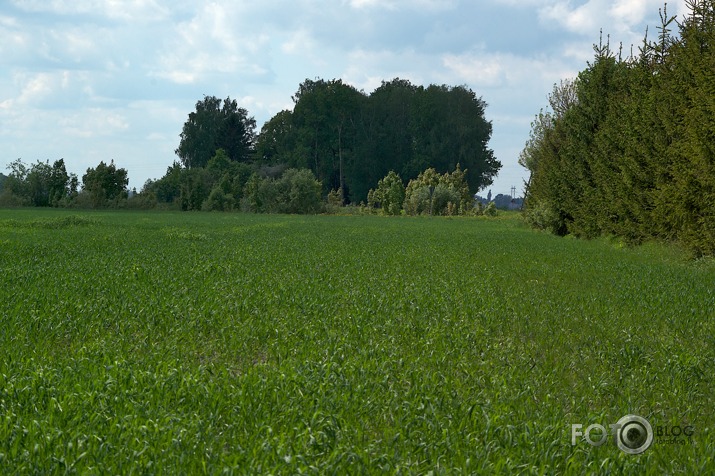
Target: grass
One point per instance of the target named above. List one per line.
(180, 343)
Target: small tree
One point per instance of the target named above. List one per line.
(389, 196)
(304, 194)
(296, 191)
(435, 194)
(105, 184)
(59, 183)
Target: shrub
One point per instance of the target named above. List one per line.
(543, 215)
(389, 195)
(296, 191)
(218, 201)
(435, 194)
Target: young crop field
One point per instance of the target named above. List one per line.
(190, 343)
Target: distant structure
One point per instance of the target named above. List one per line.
(501, 201)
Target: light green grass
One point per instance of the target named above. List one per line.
(175, 343)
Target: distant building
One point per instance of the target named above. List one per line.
(501, 201)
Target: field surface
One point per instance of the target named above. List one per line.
(160, 343)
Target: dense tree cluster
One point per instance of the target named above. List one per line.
(39, 185)
(351, 140)
(45, 185)
(629, 146)
(216, 125)
(431, 193)
(337, 143)
(336, 136)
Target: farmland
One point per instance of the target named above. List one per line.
(199, 343)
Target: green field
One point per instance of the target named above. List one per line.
(175, 343)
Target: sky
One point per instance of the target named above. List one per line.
(101, 80)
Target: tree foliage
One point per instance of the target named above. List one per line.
(39, 184)
(432, 193)
(631, 152)
(105, 184)
(296, 191)
(351, 140)
(216, 124)
(389, 195)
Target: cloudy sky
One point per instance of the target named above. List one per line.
(91, 80)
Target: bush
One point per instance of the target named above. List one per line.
(491, 210)
(218, 201)
(389, 196)
(303, 191)
(296, 191)
(435, 194)
(544, 216)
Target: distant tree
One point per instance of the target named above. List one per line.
(449, 127)
(105, 184)
(59, 183)
(326, 118)
(389, 195)
(296, 191)
(432, 193)
(38, 180)
(276, 143)
(16, 189)
(351, 140)
(216, 124)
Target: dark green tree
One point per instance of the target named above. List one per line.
(389, 195)
(326, 117)
(59, 183)
(633, 155)
(449, 128)
(276, 143)
(105, 184)
(216, 124)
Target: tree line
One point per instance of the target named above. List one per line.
(628, 147)
(336, 141)
(346, 139)
(44, 185)
(350, 140)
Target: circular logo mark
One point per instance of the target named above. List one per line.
(634, 434)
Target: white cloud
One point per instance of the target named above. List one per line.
(613, 16)
(48, 89)
(428, 5)
(298, 42)
(210, 43)
(128, 10)
(93, 123)
(482, 69)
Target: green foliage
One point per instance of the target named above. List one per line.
(335, 198)
(389, 195)
(216, 124)
(544, 216)
(254, 344)
(438, 194)
(105, 185)
(351, 140)
(490, 210)
(191, 188)
(218, 201)
(296, 191)
(39, 185)
(632, 154)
